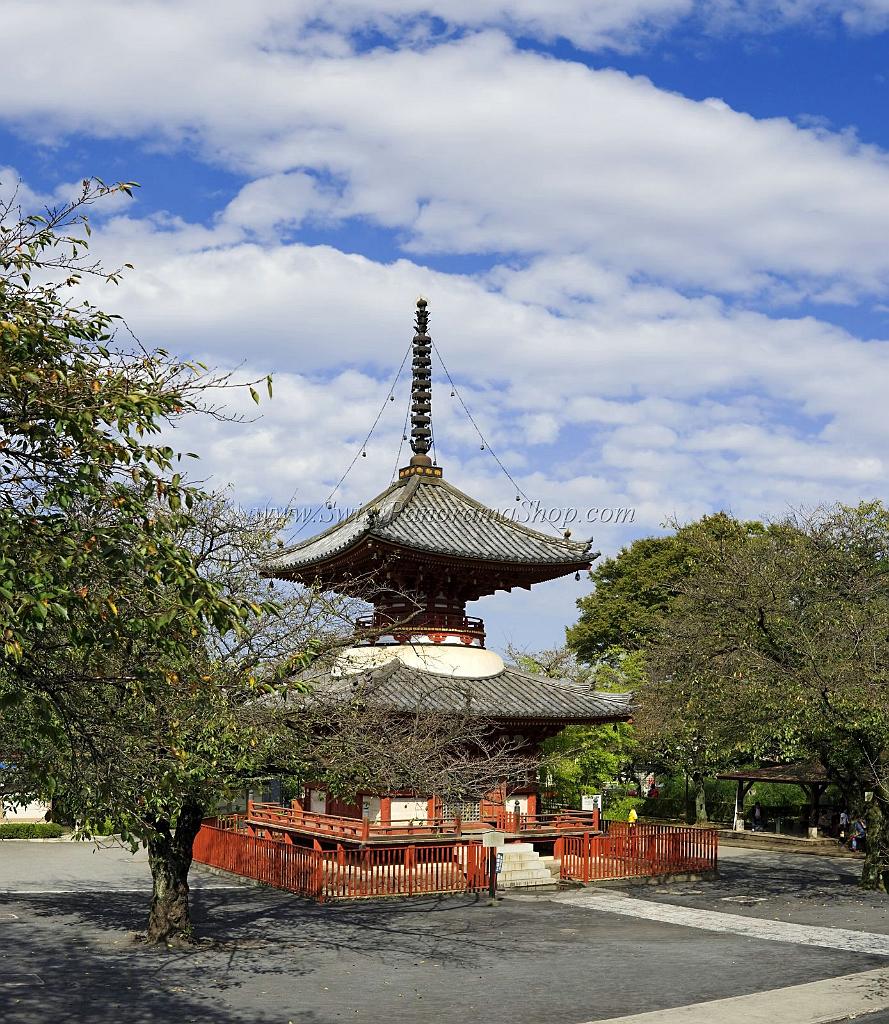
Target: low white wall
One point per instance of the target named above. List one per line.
(409, 810)
(36, 810)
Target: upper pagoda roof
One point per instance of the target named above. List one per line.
(427, 515)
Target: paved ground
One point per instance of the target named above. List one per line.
(804, 889)
(67, 917)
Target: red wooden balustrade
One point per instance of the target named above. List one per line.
(637, 851)
(405, 870)
(556, 821)
(278, 816)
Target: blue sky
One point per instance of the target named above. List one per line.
(652, 234)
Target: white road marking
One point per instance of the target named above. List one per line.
(716, 921)
(818, 1002)
(24, 981)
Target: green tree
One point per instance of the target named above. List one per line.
(632, 590)
(83, 472)
(101, 598)
(792, 629)
(677, 717)
(583, 758)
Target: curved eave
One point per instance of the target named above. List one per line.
(558, 720)
(509, 696)
(333, 567)
(498, 542)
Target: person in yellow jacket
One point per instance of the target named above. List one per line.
(632, 817)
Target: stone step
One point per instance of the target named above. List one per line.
(524, 873)
(552, 865)
(522, 867)
(524, 883)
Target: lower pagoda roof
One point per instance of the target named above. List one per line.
(508, 695)
(427, 516)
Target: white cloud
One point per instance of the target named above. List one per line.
(474, 146)
(643, 398)
(22, 199)
(279, 201)
(640, 395)
(769, 15)
(603, 198)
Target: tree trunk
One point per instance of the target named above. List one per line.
(169, 856)
(700, 800)
(875, 873)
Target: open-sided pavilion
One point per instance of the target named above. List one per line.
(810, 776)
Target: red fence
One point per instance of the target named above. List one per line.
(344, 874)
(636, 851)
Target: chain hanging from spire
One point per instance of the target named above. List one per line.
(421, 389)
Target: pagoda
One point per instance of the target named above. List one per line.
(420, 551)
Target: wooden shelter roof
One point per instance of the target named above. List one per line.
(800, 774)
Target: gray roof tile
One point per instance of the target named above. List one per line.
(431, 515)
(509, 694)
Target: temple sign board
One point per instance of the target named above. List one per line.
(591, 802)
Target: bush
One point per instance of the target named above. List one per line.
(30, 830)
(669, 807)
(618, 807)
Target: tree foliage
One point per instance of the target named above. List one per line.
(632, 590)
(677, 718)
(91, 499)
(109, 686)
(583, 758)
(787, 632)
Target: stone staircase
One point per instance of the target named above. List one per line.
(522, 867)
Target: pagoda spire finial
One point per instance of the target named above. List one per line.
(421, 389)
(421, 400)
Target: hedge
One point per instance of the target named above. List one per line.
(30, 830)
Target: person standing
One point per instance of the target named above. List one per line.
(632, 818)
(844, 825)
(757, 817)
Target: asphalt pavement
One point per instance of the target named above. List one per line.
(68, 954)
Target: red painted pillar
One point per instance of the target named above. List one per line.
(410, 860)
(386, 810)
(586, 856)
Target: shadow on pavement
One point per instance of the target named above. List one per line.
(78, 958)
